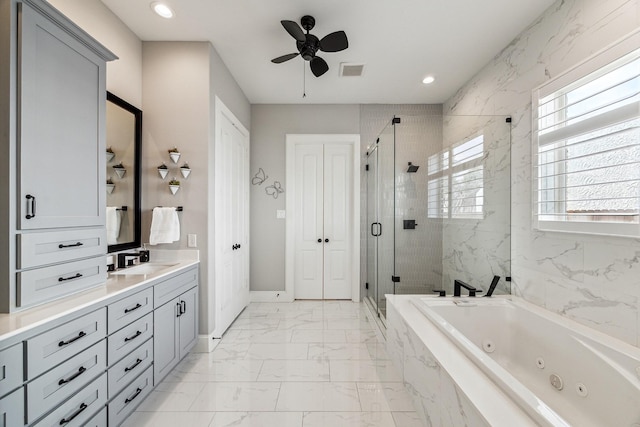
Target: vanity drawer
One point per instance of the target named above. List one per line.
(48, 390)
(98, 420)
(48, 283)
(81, 407)
(129, 337)
(167, 290)
(128, 368)
(50, 348)
(125, 311)
(129, 398)
(12, 409)
(11, 368)
(36, 249)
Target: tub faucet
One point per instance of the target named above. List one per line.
(459, 284)
(493, 285)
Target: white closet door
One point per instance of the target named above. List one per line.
(232, 240)
(338, 202)
(308, 263)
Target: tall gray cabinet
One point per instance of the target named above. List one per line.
(52, 173)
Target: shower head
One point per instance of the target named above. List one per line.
(412, 168)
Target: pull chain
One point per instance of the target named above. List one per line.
(304, 80)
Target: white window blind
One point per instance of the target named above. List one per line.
(587, 146)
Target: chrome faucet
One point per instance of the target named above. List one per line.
(459, 284)
(122, 258)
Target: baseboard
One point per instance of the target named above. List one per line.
(270, 296)
(205, 344)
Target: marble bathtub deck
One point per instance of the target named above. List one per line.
(300, 364)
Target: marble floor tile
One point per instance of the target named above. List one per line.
(256, 419)
(285, 351)
(407, 419)
(318, 396)
(171, 396)
(377, 351)
(231, 350)
(318, 336)
(294, 370)
(367, 335)
(208, 370)
(358, 324)
(384, 397)
(349, 419)
(169, 419)
(292, 324)
(254, 324)
(348, 351)
(261, 336)
(237, 397)
(364, 371)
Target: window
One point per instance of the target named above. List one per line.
(456, 181)
(587, 146)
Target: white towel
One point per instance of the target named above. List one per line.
(165, 226)
(113, 225)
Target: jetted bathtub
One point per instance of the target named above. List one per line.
(559, 372)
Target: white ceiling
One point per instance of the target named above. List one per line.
(400, 42)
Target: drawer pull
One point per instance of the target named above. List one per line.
(61, 246)
(73, 377)
(183, 307)
(132, 367)
(82, 407)
(133, 337)
(80, 335)
(130, 399)
(129, 310)
(179, 313)
(77, 276)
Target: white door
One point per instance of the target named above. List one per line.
(323, 221)
(232, 219)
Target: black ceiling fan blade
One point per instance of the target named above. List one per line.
(318, 66)
(294, 30)
(334, 42)
(283, 58)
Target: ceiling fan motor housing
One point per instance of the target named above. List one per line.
(309, 47)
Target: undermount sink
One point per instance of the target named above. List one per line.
(146, 268)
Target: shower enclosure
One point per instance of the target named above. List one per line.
(437, 206)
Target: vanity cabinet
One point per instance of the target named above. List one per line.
(12, 409)
(53, 106)
(175, 326)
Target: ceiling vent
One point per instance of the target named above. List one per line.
(351, 70)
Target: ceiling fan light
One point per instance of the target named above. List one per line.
(162, 10)
(428, 80)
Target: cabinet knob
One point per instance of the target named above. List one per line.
(326, 240)
(319, 240)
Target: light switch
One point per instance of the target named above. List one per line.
(191, 240)
(280, 214)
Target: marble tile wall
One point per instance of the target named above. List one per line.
(594, 280)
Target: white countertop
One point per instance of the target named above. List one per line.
(13, 324)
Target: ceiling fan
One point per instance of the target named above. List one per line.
(308, 44)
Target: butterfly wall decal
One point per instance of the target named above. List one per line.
(259, 177)
(274, 190)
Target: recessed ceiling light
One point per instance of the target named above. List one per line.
(162, 10)
(428, 80)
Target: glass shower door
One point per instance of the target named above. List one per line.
(372, 224)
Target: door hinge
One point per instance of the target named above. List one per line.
(395, 279)
(395, 120)
(366, 286)
(366, 167)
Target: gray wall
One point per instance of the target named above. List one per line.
(592, 279)
(269, 125)
(180, 83)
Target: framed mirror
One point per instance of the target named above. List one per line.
(124, 154)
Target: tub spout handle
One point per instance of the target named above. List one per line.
(493, 285)
(440, 292)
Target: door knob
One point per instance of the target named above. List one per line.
(326, 240)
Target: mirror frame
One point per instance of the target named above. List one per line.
(137, 173)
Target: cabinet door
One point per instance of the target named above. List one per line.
(61, 136)
(12, 409)
(188, 321)
(165, 339)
